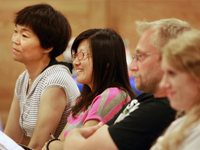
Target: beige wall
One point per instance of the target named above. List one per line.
(84, 14)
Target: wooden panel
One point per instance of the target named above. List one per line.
(122, 14)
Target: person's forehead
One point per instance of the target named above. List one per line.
(23, 28)
(145, 43)
(84, 45)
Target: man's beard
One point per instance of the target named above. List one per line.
(148, 86)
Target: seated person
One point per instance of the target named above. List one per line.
(181, 66)
(138, 124)
(45, 91)
(99, 58)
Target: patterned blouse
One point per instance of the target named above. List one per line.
(55, 75)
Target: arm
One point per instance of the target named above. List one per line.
(58, 145)
(52, 105)
(97, 113)
(13, 129)
(86, 140)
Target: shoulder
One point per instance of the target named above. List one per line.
(22, 76)
(191, 140)
(175, 125)
(151, 101)
(57, 73)
(113, 92)
(149, 106)
(57, 69)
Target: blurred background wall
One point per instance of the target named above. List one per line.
(119, 15)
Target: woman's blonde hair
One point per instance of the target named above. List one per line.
(183, 53)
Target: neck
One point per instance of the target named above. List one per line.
(160, 93)
(35, 68)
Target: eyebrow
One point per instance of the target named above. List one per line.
(138, 51)
(24, 29)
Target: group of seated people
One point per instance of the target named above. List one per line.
(107, 114)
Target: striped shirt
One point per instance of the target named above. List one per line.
(103, 108)
(56, 75)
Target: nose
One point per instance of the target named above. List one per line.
(133, 66)
(76, 61)
(164, 83)
(15, 38)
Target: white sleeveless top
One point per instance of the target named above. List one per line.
(56, 75)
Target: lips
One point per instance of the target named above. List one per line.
(170, 94)
(15, 50)
(135, 75)
(78, 71)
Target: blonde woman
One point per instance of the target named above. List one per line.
(181, 66)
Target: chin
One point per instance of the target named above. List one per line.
(174, 105)
(79, 82)
(139, 87)
(15, 59)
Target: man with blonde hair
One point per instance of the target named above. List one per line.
(138, 124)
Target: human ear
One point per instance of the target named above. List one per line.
(48, 50)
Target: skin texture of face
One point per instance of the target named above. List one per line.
(182, 89)
(84, 67)
(147, 71)
(26, 45)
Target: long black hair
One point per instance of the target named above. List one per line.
(109, 65)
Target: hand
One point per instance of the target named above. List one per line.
(88, 131)
(79, 135)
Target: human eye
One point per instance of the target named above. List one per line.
(80, 55)
(139, 56)
(15, 31)
(24, 35)
(171, 73)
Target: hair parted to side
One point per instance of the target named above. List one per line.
(183, 53)
(165, 29)
(109, 65)
(51, 27)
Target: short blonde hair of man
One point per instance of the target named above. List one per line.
(165, 29)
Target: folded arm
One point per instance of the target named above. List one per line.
(58, 145)
(96, 137)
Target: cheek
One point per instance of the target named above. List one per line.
(184, 97)
(191, 93)
(26, 46)
(89, 71)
